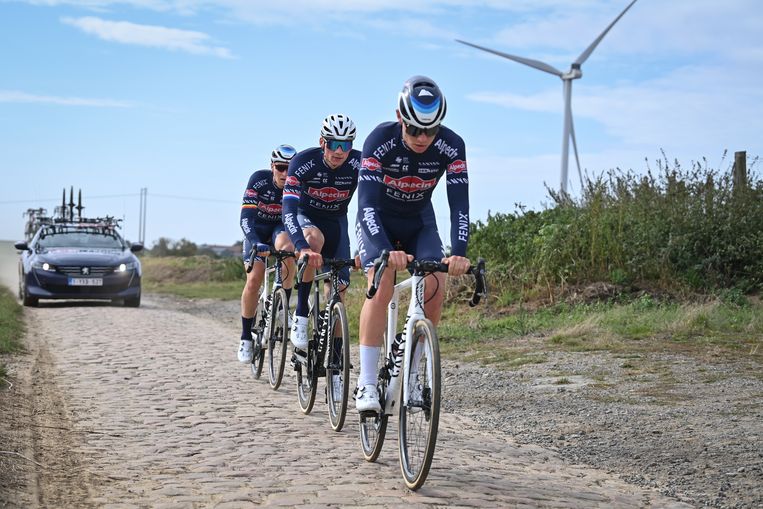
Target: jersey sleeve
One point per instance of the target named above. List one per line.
(249, 209)
(291, 195)
(457, 181)
(370, 190)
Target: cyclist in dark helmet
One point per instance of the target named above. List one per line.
(262, 226)
(402, 162)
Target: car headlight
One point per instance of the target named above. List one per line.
(124, 267)
(43, 266)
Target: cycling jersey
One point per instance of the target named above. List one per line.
(262, 202)
(261, 211)
(316, 191)
(396, 183)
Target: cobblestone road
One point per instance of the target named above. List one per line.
(167, 418)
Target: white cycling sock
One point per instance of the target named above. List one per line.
(369, 365)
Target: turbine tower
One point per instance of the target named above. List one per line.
(567, 77)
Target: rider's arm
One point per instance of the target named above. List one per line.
(370, 193)
(457, 182)
(249, 209)
(291, 195)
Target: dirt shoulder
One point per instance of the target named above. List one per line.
(39, 462)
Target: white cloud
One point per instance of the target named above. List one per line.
(13, 96)
(124, 32)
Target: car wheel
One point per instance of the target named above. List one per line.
(133, 302)
(27, 299)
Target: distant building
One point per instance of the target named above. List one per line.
(222, 251)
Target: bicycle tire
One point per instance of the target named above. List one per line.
(278, 338)
(307, 374)
(419, 419)
(373, 430)
(258, 338)
(338, 352)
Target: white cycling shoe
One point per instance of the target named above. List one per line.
(298, 334)
(367, 399)
(245, 351)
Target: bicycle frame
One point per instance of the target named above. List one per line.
(415, 283)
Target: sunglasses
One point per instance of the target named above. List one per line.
(333, 145)
(414, 131)
(280, 168)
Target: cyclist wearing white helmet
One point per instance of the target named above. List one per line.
(402, 163)
(319, 186)
(262, 226)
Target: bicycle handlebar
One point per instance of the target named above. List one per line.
(280, 254)
(430, 266)
(334, 264)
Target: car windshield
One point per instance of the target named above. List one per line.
(80, 239)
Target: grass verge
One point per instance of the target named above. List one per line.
(11, 327)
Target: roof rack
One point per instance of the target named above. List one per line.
(64, 215)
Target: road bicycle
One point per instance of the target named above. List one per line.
(409, 379)
(328, 348)
(270, 329)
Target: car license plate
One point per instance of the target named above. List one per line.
(85, 281)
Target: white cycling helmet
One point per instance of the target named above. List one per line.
(421, 103)
(283, 154)
(338, 127)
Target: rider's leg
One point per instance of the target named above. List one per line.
(288, 267)
(249, 298)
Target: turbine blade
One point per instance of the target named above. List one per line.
(584, 56)
(541, 66)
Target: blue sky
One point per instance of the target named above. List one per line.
(188, 97)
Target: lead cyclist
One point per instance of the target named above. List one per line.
(402, 162)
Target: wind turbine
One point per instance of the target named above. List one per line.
(567, 77)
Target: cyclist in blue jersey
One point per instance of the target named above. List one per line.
(262, 226)
(402, 163)
(319, 186)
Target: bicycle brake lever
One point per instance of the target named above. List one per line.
(379, 265)
(302, 266)
(480, 283)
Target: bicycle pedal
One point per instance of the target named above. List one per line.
(368, 414)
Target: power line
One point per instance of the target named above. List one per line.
(36, 200)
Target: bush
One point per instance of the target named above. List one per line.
(670, 229)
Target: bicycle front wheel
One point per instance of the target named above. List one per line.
(259, 340)
(338, 367)
(420, 417)
(278, 337)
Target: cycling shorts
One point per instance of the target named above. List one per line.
(336, 240)
(262, 234)
(416, 235)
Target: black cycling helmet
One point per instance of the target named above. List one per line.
(421, 103)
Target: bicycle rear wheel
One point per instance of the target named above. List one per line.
(278, 337)
(307, 373)
(373, 428)
(259, 341)
(338, 366)
(419, 419)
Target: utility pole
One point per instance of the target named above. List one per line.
(142, 215)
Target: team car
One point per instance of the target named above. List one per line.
(79, 259)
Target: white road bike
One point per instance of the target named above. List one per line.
(409, 378)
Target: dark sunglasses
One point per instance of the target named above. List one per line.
(280, 168)
(414, 131)
(333, 145)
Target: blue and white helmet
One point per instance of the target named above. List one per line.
(338, 127)
(421, 102)
(283, 154)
